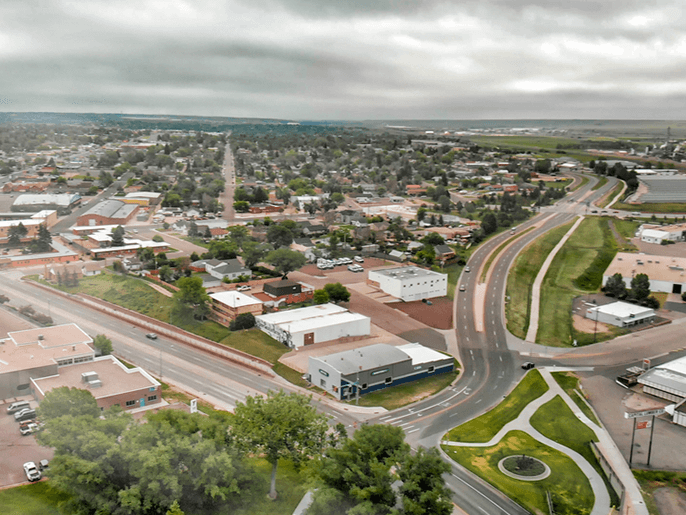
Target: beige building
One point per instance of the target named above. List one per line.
(666, 273)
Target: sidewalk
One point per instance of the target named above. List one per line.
(633, 499)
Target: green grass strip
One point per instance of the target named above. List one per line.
(613, 193)
(36, 499)
(497, 251)
(485, 427)
(584, 181)
(571, 491)
(569, 382)
(520, 279)
(602, 182)
(665, 207)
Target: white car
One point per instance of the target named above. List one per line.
(245, 287)
(29, 429)
(31, 471)
(359, 259)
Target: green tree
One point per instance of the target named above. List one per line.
(118, 236)
(421, 213)
(193, 230)
(279, 235)
(489, 223)
(165, 273)
(279, 425)
(337, 292)
(65, 401)
(433, 238)
(616, 286)
(44, 239)
(640, 287)
(423, 490)
(16, 233)
(320, 297)
(242, 321)
(285, 260)
(191, 300)
(103, 344)
(175, 509)
(253, 253)
(241, 206)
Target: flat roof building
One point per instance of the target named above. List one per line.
(40, 201)
(666, 381)
(313, 324)
(621, 314)
(227, 305)
(375, 367)
(410, 283)
(666, 273)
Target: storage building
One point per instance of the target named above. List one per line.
(108, 212)
(314, 324)
(410, 283)
(667, 381)
(375, 367)
(621, 314)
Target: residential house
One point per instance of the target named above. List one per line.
(230, 269)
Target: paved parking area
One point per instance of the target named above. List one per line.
(15, 449)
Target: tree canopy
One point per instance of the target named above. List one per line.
(285, 260)
(191, 300)
(103, 344)
(337, 292)
(65, 401)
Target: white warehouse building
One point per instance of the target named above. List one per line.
(410, 283)
(314, 324)
(621, 314)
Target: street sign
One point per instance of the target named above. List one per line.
(194, 406)
(644, 424)
(647, 413)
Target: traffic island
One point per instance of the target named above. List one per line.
(523, 467)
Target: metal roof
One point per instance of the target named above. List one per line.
(365, 358)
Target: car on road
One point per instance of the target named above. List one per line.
(245, 287)
(467, 269)
(462, 287)
(152, 336)
(31, 471)
(528, 365)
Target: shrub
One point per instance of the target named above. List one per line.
(4, 298)
(651, 302)
(244, 321)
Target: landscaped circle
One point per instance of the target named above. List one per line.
(526, 468)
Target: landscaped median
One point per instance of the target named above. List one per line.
(547, 446)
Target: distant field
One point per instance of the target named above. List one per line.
(529, 142)
(666, 208)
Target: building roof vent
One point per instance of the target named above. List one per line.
(95, 384)
(41, 337)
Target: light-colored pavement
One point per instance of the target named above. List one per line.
(536, 290)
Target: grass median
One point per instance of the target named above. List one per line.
(577, 269)
(570, 489)
(485, 427)
(602, 182)
(569, 382)
(521, 278)
(610, 196)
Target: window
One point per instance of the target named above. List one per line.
(364, 386)
(431, 369)
(379, 372)
(152, 388)
(322, 382)
(152, 398)
(389, 380)
(323, 372)
(130, 403)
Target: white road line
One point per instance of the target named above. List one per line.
(481, 494)
(389, 416)
(416, 429)
(406, 424)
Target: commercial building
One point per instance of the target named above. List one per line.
(375, 367)
(38, 202)
(314, 324)
(409, 283)
(108, 212)
(621, 314)
(666, 381)
(652, 233)
(666, 273)
(227, 305)
(35, 361)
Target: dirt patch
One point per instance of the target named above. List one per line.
(587, 325)
(438, 315)
(670, 501)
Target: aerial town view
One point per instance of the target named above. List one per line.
(342, 258)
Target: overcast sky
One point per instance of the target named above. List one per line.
(347, 59)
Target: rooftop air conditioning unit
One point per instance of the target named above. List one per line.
(41, 337)
(95, 384)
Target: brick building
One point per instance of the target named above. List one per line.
(227, 305)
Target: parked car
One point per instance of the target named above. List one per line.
(25, 414)
(43, 464)
(359, 259)
(152, 336)
(17, 406)
(28, 429)
(245, 287)
(528, 365)
(32, 473)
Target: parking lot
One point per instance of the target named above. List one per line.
(15, 449)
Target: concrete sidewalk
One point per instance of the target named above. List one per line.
(633, 500)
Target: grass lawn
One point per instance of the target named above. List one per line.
(602, 182)
(660, 296)
(609, 196)
(291, 375)
(577, 269)
(569, 382)
(570, 489)
(403, 394)
(497, 251)
(521, 279)
(485, 427)
(290, 486)
(34, 499)
(256, 343)
(626, 228)
(562, 184)
(454, 272)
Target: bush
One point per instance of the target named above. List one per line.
(157, 238)
(651, 302)
(244, 321)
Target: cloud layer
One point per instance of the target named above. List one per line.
(354, 59)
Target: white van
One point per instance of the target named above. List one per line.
(17, 406)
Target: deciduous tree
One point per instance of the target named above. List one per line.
(286, 260)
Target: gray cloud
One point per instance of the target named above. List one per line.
(307, 59)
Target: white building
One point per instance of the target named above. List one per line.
(651, 233)
(621, 314)
(666, 273)
(666, 381)
(410, 283)
(314, 324)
